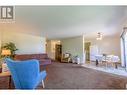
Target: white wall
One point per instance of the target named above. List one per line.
(26, 38)
(108, 45)
(74, 46)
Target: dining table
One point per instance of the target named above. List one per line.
(104, 58)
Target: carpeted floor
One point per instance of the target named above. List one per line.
(73, 76)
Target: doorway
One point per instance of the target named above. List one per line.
(58, 52)
(87, 49)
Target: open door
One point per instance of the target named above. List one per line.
(87, 50)
(58, 52)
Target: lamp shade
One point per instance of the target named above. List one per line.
(6, 52)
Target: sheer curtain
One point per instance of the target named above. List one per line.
(122, 53)
(124, 48)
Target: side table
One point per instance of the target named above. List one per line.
(6, 74)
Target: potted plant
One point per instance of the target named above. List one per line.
(10, 46)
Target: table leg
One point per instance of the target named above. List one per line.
(96, 62)
(116, 65)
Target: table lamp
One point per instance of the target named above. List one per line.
(6, 52)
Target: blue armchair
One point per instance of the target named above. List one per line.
(26, 74)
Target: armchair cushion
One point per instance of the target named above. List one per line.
(66, 57)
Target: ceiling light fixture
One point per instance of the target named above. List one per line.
(99, 36)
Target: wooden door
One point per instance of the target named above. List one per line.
(58, 52)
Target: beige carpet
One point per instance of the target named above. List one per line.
(73, 76)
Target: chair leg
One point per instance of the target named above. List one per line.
(43, 84)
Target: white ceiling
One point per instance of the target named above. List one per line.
(67, 21)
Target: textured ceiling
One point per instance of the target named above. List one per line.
(67, 21)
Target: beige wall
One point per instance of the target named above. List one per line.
(74, 46)
(108, 45)
(27, 39)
